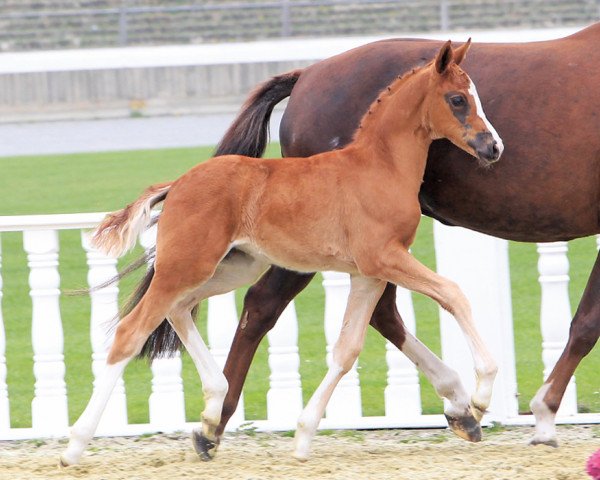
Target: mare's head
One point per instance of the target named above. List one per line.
(453, 109)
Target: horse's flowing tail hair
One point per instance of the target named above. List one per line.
(118, 232)
(248, 135)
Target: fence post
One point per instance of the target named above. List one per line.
(479, 264)
(49, 414)
(104, 308)
(345, 402)
(555, 313)
(166, 404)
(403, 392)
(286, 27)
(284, 398)
(123, 26)
(4, 406)
(444, 15)
(221, 325)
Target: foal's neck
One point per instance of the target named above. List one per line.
(394, 130)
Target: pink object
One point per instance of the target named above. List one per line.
(593, 465)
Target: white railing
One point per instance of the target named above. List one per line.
(477, 262)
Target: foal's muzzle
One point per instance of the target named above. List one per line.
(486, 147)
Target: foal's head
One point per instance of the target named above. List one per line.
(453, 110)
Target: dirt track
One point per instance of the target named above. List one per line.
(398, 454)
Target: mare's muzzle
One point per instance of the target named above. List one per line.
(485, 147)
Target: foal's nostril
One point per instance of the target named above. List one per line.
(495, 151)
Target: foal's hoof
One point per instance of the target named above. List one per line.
(477, 412)
(205, 448)
(467, 428)
(550, 442)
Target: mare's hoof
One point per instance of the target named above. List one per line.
(205, 448)
(550, 442)
(467, 427)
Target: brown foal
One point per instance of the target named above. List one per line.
(354, 210)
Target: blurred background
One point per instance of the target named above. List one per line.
(98, 59)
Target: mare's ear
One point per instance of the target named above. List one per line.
(444, 58)
(461, 52)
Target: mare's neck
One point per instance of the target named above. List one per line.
(394, 130)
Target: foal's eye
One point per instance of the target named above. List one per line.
(458, 101)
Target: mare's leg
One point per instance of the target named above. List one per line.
(263, 304)
(398, 266)
(445, 380)
(364, 294)
(583, 335)
(131, 333)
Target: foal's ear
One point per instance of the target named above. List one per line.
(461, 52)
(444, 58)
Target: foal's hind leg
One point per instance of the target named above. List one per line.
(364, 294)
(398, 266)
(214, 383)
(235, 270)
(131, 333)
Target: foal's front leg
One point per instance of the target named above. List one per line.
(397, 265)
(364, 294)
(444, 379)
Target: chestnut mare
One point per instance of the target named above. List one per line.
(227, 220)
(546, 188)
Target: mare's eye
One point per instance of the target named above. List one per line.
(458, 101)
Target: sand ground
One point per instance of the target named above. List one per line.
(384, 454)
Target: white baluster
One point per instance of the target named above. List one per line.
(104, 309)
(555, 315)
(49, 407)
(4, 408)
(284, 398)
(402, 393)
(346, 401)
(479, 264)
(166, 404)
(221, 325)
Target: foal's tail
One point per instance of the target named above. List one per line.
(118, 232)
(248, 135)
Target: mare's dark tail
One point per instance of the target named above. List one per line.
(248, 135)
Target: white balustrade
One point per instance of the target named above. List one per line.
(346, 401)
(49, 407)
(555, 314)
(403, 392)
(284, 398)
(104, 311)
(479, 264)
(4, 406)
(166, 403)
(221, 326)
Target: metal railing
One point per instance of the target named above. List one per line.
(126, 24)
